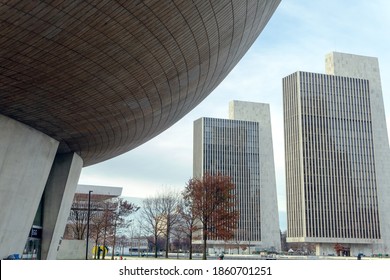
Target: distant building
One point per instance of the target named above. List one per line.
(80, 205)
(73, 243)
(241, 147)
(81, 84)
(138, 245)
(337, 157)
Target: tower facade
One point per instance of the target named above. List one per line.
(336, 151)
(241, 147)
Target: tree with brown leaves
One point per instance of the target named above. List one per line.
(339, 249)
(213, 205)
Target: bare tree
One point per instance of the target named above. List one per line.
(136, 232)
(169, 204)
(122, 210)
(107, 223)
(77, 221)
(152, 220)
(188, 223)
(97, 228)
(213, 205)
(110, 215)
(122, 242)
(180, 241)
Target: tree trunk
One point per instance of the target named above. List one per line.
(104, 243)
(155, 246)
(190, 249)
(167, 243)
(204, 243)
(113, 244)
(96, 248)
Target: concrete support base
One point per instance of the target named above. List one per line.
(57, 201)
(26, 157)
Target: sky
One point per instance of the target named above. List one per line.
(297, 38)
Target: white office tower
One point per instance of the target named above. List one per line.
(337, 158)
(241, 147)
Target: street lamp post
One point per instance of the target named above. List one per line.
(88, 215)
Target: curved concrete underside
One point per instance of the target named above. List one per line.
(104, 77)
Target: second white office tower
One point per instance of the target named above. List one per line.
(241, 147)
(337, 158)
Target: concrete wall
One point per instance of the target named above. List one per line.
(259, 112)
(71, 250)
(364, 67)
(198, 149)
(26, 157)
(58, 197)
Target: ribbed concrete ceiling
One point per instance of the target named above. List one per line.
(103, 77)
